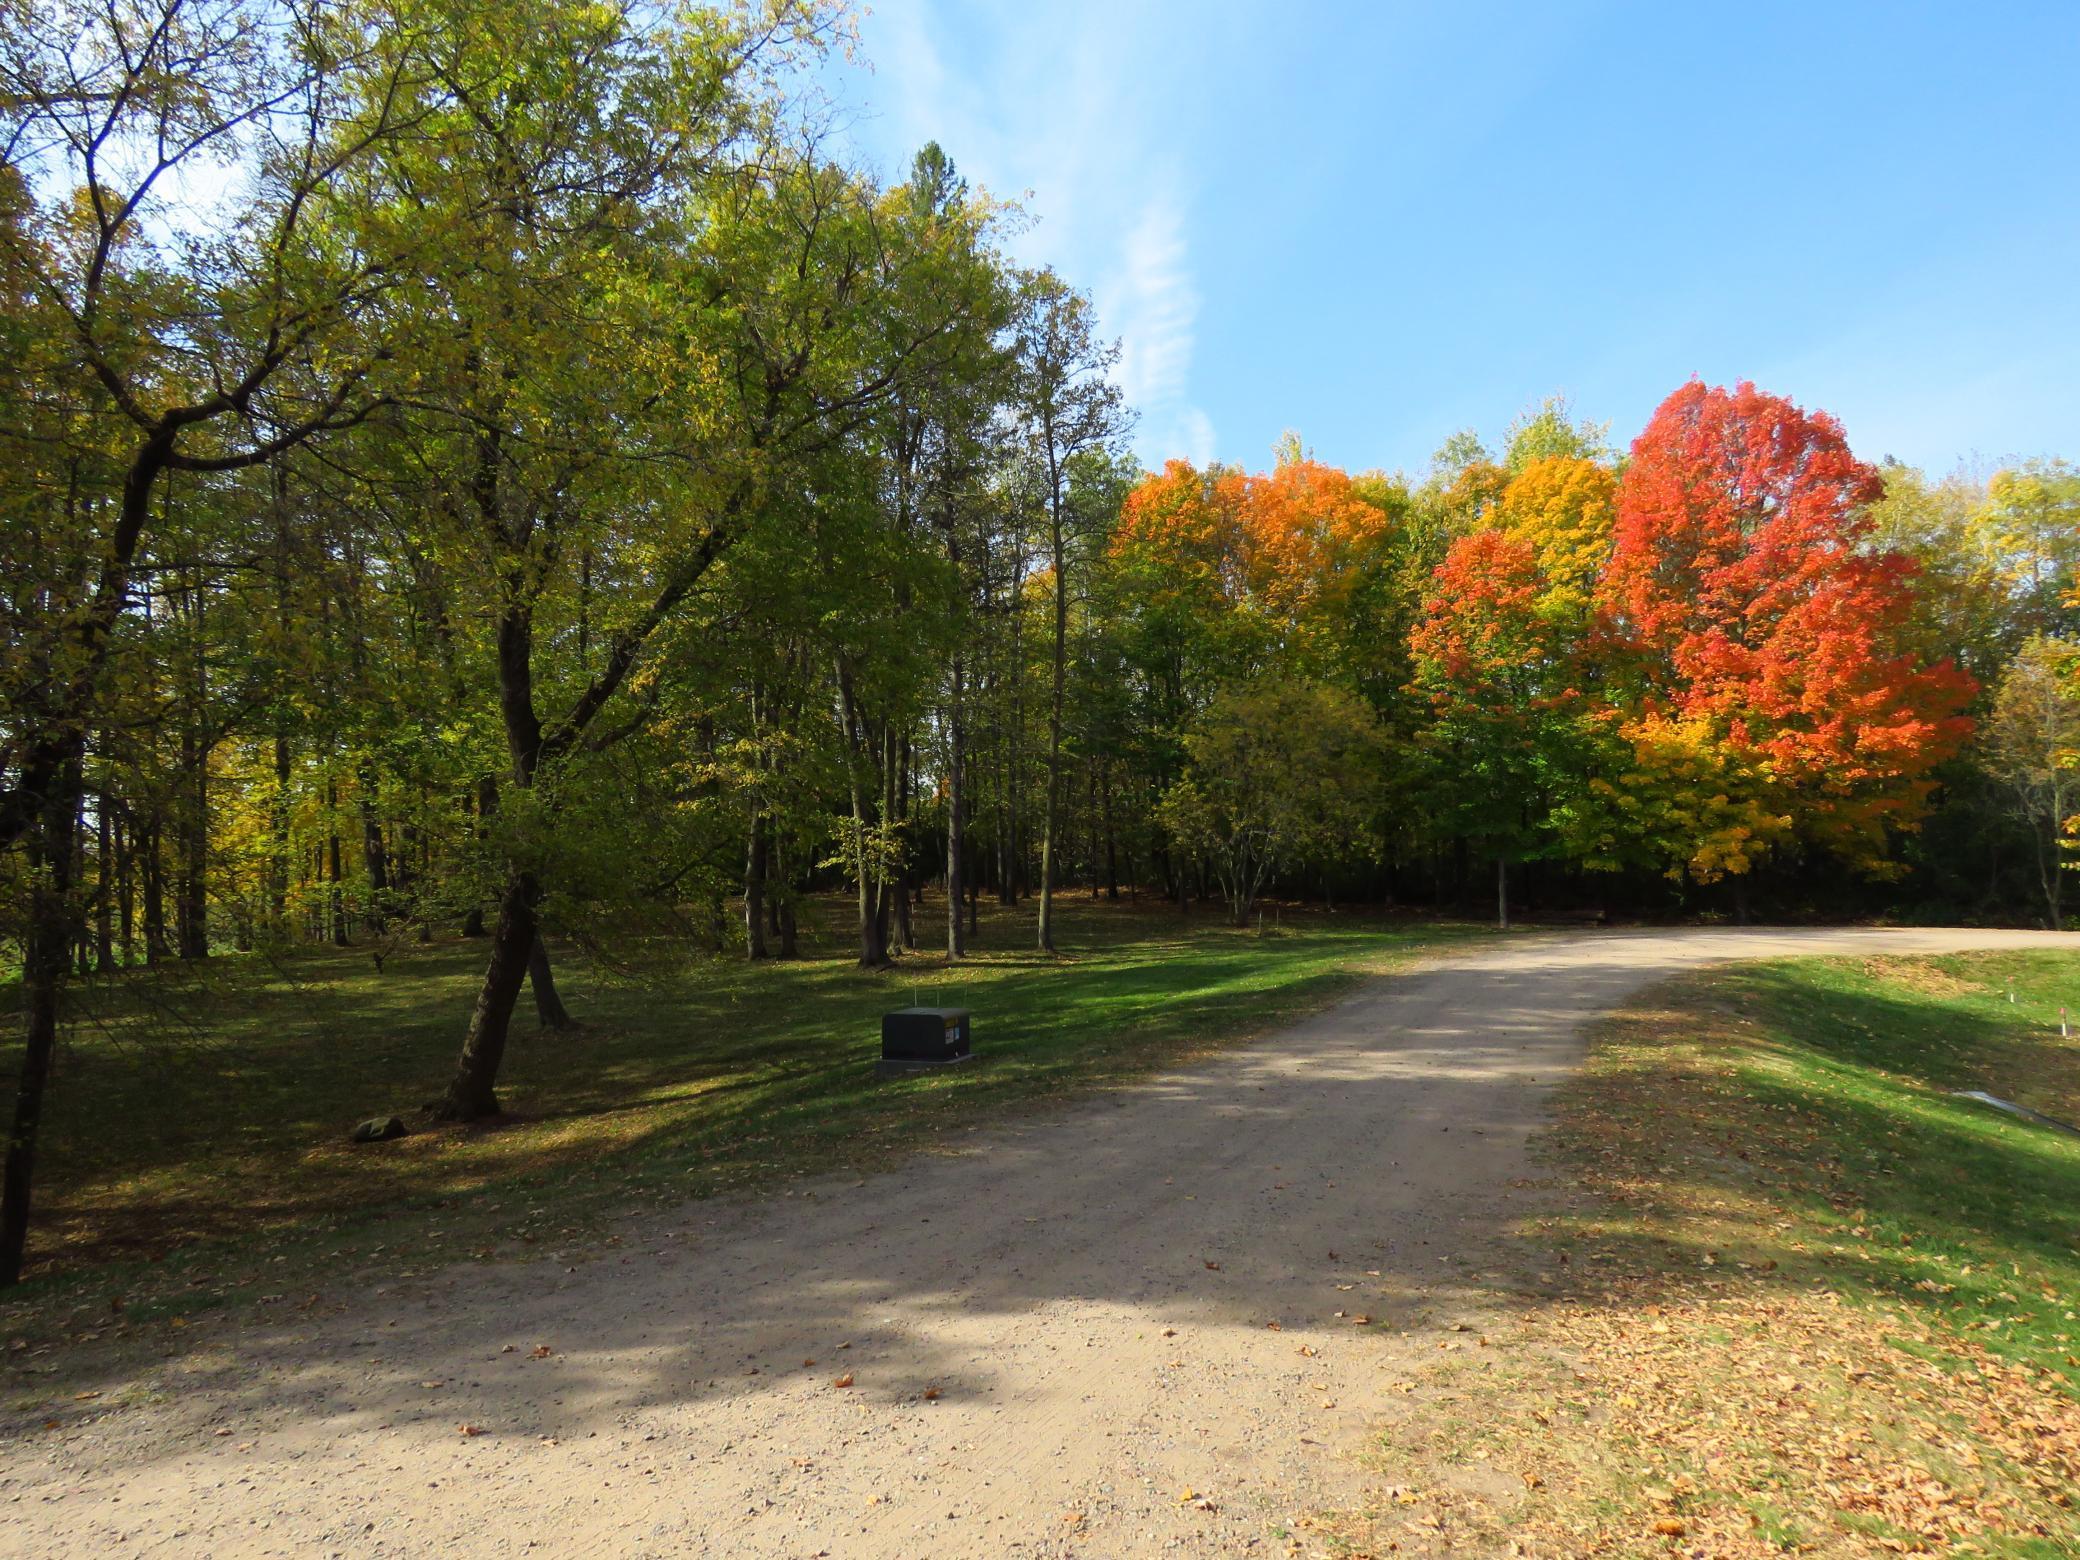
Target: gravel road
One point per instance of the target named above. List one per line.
(1135, 1326)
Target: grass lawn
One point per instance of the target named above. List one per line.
(1799, 1298)
(196, 1141)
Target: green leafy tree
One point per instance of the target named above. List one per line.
(1278, 770)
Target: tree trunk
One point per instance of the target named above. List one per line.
(899, 887)
(487, 804)
(374, 855)
(549, 1010)
(1051, 818)
(473, 1092)
(336, 897)
(126, 890)
(104, 886)
(1111, 845)
(956, 943)
(44, 965)
(1502, 892)
(755, 889)
(155, 947)
(191, 890)
(278, 849)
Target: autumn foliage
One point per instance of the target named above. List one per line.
(1742, 582)
(1677, 665)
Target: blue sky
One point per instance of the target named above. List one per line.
(1380, 223)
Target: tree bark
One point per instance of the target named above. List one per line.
(104, 886)
(1502, 892)
(191, 891)
(336, 896)
(1052, 816)
(44, 966)
(155, 947)
(374, 855)
(473, 1092)
(956, 940)
(755, 851)
(549, 1010)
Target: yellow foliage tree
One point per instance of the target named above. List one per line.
(1564, 507)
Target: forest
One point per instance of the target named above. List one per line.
(492, 471)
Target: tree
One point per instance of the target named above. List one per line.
(1068, 406)
(202, 341)
(1493, 656)
(2032, 742)
(1745, 593)
(1564, 507)
(1277, 769)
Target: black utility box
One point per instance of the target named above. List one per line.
(919, 1037)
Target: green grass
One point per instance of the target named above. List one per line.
(198, 1121)
(1854, 1294)
(1836, 1095)
(1785, 1292)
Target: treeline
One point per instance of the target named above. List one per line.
(1733, 658)
(485, 468)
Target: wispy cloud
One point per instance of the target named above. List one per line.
(1151, 301)
(1032, 114)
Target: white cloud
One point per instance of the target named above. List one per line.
(1150, 300)
(1028, 110)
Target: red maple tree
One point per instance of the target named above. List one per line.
(1745, 586)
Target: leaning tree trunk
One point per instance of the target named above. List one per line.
(514, 938)
(549, 1010)
(473, 1092)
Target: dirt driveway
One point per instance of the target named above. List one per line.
(1160, 1321)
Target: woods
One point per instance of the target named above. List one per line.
(492, 471)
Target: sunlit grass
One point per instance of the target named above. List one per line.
(195, 1114)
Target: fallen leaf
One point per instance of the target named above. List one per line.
(540, 1351)
(842, 1381)
(1213, 1267)
(1669, 1527)
(468, 1429)
(931, 1394)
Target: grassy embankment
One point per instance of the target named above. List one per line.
(199, 1122)
(1799, 1298)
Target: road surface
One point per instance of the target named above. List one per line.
(1125, 1328)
